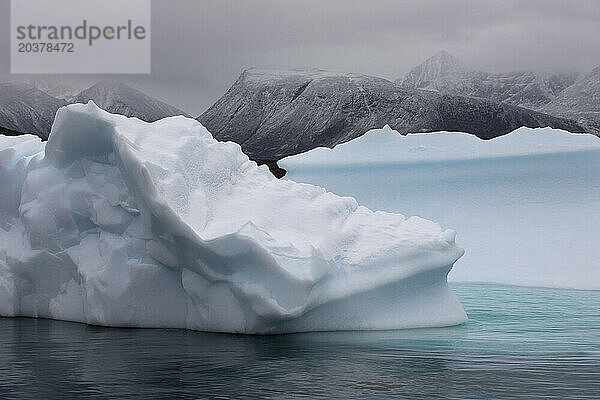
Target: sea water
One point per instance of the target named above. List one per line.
(519, 342)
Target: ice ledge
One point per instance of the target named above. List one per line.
(386, 146)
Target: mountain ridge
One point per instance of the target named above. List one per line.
(446, 74)
(119, 98)
(276, 114)
(580, 101)
(24, 108)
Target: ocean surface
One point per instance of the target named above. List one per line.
(520, 342)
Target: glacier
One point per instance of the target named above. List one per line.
(525, 205)
(119, 222)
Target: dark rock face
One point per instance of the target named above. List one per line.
(274, 114)
(26, 109)
(8, 132)
(275, 169)
(445, 74)
(118, 98)
(563, 95)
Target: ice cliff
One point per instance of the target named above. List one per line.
(526, 204)
(124, 223)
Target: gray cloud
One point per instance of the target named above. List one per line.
(200, 47)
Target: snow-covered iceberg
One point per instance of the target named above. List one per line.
(526, 205)
(119, 222)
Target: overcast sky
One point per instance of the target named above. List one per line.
(200, 47)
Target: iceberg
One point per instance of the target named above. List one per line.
(526, 204)
(119, 222)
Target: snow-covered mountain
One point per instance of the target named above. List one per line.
(59, 87)
(118, 98)
(444, 73)
(581, 101)
(25, 109)
(273, 114)
(439, 72)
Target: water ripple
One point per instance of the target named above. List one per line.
(519, 343)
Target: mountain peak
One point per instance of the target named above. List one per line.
(26, 109)
(110, 86)
(436, 68)
(15, 91)
(443, 57)
(119, 98)
(441, 63)
(59, 86)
